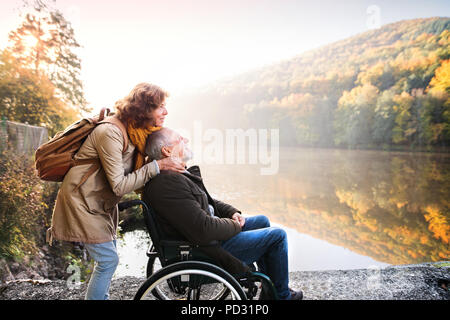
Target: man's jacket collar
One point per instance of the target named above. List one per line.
(193, 173)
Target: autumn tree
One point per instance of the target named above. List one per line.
(384, 118)
(29, 97)
(441, 80)
(354, 116)
(45, 42)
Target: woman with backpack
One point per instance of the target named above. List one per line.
(86, 205)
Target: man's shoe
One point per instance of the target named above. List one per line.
(296, 295)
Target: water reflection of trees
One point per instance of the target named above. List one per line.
(393, 207)
(398, 202)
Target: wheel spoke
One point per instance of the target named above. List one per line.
(192, 281)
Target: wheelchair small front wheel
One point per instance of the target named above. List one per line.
(193, 280)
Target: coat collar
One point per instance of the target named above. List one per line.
(193, 173)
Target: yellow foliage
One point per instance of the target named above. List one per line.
(437, 223)
(424, 239)
(356, 201)
(444, 255)
(401, 204)
(371, 74)
(441, 80)
(361, 95)
(412, 254)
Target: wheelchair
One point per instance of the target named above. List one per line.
(186, 273)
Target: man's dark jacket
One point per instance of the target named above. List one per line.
(180, 201)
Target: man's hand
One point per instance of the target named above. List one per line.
(238, 218)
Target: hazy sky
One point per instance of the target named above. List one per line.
(180, 44)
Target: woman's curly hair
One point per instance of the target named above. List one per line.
(137, 107)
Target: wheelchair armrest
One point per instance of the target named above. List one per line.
(128, 204)
(175, 243)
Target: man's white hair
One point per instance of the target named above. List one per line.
(156, 140)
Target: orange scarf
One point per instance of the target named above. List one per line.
(138, 137)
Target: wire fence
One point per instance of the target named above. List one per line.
(21, 137)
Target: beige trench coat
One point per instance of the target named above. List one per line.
(90, 214)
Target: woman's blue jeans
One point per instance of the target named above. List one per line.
(107, 259)
(267, 246)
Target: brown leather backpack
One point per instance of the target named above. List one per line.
(54, 158)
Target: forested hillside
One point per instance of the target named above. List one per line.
(385, 88)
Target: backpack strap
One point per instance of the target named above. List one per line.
(95, 165)
(96, 162)
(102, 114)
(114, 120)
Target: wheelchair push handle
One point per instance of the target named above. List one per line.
(128, 204)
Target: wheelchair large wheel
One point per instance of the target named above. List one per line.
(153, 265)
(190, 280)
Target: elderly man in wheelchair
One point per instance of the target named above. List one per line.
(206, 248)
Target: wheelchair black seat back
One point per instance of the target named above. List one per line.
(167, 250)
(187, 273)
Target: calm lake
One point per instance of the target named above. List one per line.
(342, 209)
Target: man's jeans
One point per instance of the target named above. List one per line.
(107, 259)
(267, 246)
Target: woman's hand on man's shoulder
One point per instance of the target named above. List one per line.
(171, 164)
